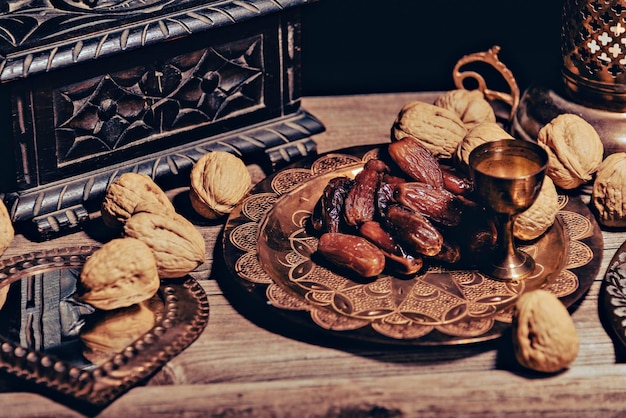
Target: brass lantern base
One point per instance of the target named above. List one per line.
(540, 104)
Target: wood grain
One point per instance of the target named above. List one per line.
(247, 365)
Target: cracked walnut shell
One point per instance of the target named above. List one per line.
(177, 246)
(121, 273)
(219, 180)
(439, 129)
(128, 190)
(574, 148)
(544, 335)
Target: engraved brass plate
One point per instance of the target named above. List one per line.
(613, 297)
(268, 249)
(73, 350)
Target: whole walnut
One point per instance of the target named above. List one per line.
(470, 105)
(536, 220)
(544, 335)
(125, 192)
(177, 246)
(7, 231)
(575, 150)
(609, 191)
(119, 274)
(439, 129)
(219, 180)
(479, 134)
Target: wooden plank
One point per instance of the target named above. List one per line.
(251, 365)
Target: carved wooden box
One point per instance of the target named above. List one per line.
(94, 88)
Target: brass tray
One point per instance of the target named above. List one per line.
(79, 354)
(268, 250)
(613, 297)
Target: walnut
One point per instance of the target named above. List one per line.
(544, 335)
(470, 105)
(575, 150)
(109, 332)
(479, 134)
(7, 231)
(178, 247)
(536, 220)
(439, 129)
(609, 191)
(125, 192)
(119, 274)
(219, 180)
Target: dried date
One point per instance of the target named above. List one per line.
(456, 184)
(450, 252)
(360, 203)
(476, 234)
(414, 231)
(352, 252)
(331, 204)
(437, 204)
(417, 161)
(399, 260)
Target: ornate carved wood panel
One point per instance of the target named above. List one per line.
(96, 88)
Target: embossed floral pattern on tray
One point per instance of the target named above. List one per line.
(613, 295)
(267, 244)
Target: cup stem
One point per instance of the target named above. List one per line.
(508, 263)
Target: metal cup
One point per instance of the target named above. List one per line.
(508, 175)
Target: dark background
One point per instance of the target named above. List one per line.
(367, 46)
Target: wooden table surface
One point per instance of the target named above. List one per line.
(243, 367)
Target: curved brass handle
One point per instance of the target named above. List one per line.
(490, 57)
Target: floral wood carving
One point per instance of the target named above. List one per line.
(41, 35)
(114, 111)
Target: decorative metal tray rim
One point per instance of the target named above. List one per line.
(185, 314)
(247, 226)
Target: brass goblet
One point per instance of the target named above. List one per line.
(508, 175)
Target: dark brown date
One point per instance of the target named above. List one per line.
(405, 264)
(384, 194)
(360, 203)
(414, 231)
(477, 234)
(450, 252)
(376, 165)
(352, 252)
(379, 236)
(417, 161)
(332, 204)
(455, 183)
(398, 260)
(384, 197)
(437, 204)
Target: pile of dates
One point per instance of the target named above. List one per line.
(406, 209)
